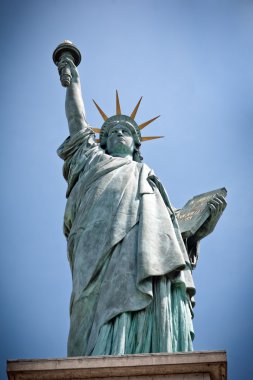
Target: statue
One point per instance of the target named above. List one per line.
(131, 267)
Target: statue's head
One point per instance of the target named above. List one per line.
(120, 134)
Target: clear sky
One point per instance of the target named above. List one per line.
(193, 63)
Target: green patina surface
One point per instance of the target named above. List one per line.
(132, 271)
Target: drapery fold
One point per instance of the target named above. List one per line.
(123, 237)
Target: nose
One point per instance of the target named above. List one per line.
(119, 132)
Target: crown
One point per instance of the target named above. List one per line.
(127, 120)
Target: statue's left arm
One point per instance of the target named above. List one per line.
(217, 205)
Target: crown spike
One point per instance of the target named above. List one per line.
(147, 138)
(143, 125)
(96, 130)
(133, 114)
(104, 116)
(118, 109)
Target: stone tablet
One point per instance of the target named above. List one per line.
(196, 211)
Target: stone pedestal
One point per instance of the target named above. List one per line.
(207, 365)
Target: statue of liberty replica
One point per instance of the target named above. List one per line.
(130, 258)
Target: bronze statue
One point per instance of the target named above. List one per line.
(133, 290)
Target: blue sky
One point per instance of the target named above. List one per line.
(193, 63)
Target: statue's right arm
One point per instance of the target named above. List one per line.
(74, 106)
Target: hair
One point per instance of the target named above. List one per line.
(137, 154)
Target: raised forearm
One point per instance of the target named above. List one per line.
(74, 106)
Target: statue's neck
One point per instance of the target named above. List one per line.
(122, 155)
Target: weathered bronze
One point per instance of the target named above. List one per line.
(131, 262)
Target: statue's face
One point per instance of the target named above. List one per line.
(120, 141)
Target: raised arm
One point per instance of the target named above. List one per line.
(74, 106)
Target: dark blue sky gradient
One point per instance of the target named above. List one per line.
(193, 63)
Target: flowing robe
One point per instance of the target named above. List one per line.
(132, 284)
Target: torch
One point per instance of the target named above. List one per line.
(69, 50)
